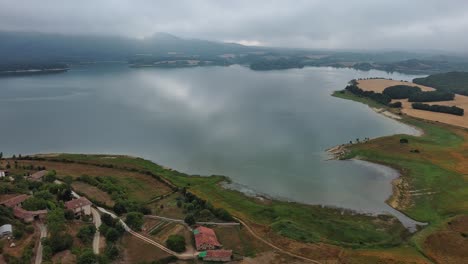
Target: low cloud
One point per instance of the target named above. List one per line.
(328, 24)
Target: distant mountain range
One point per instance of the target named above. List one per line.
(23, 51)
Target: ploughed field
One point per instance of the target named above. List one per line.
(378, 85)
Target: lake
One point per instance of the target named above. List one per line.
(265, 130)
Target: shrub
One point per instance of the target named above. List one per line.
(176, 243)
(404, 141)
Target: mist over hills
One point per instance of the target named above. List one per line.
(20, 49)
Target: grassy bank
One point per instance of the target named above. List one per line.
(433, 186)
(300, 222)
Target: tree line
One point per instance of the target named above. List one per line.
(440, 108)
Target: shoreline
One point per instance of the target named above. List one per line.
(398, 198)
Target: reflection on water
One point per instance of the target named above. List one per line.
(265, 130)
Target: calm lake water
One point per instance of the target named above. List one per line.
(265, 130)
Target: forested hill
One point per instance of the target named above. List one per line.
(455, 82)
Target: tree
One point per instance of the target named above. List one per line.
(119, 208)
(86, 233)
(87, 257)
(107, 220)
(189, 220)
(176, 243)
(1, 155)
(134, 220)
(56, 220)
(112, 235)
(403, 140)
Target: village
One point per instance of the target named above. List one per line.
(46, 219)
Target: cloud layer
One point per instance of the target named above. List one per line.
(329, 24)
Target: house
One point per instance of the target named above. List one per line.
(37, 176)
(29, 216)
(219, 255)
(205, 238)
(15, 201)
(79, 206)
(6, 230)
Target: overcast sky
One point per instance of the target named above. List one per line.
(331, 24)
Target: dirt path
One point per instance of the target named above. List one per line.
(97, 223)
(43, 229)
(272, 245)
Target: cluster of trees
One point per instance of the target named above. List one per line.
(378, 97)
(200, 210)
(401, 91)
(112, 230)
(432, 96)
(440, 108)
(59, 239)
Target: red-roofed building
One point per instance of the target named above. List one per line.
(205, 238)
(218, 255)
(15, 201)
(28, 216)
(79, 206)
(37, 176)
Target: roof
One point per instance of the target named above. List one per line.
(219, 253)
(21, 213)
(77, 203)
(6, 228)
(204, 235)
(14, 201)
(38, 175)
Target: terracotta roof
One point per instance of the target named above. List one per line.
(38, 175)
(21, 213)
(204, 235)
(219, 253)
(77, 203)
(14, 201)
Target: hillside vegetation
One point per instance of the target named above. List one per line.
(455, 82)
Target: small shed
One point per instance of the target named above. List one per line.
(3, 173)
(6, 230)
